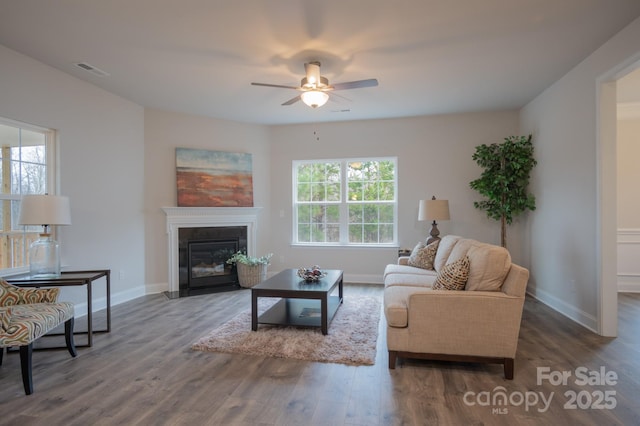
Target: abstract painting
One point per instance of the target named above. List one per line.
(214, 178)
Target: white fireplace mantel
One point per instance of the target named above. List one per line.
(195, 217)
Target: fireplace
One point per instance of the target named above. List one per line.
(202, 256)
(215, 230)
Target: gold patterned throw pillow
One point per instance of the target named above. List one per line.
(423, 255)
(453, 276)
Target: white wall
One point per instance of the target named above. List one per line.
(565, 237)
(628, 154)
(116, 202)
(164, 132)
(434, 158)
(101, 156)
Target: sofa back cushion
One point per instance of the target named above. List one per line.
(447, 243)
(488, 264)
(488, 267)
(461, 249)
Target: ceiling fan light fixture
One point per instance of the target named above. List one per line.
(314, 87)
(314, 98)
(311, 84)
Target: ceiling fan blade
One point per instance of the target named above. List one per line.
(274, 85)
(372, 82)
(292, 101)
(334, 95)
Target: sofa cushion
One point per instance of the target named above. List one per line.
(453, 276)
(412, 280)
(444, 250)
(423, 255)
(392, 269)
(461, 249)
(489, 266)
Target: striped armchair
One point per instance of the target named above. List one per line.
(28, 314)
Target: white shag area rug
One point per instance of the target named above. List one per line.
(352, 337)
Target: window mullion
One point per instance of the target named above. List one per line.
(344, 207)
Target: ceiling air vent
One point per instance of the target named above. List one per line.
(90, 68)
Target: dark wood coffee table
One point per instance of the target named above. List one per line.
(302, 304)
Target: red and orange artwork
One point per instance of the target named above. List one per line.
(213, 178)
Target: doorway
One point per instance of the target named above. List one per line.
(607, 232)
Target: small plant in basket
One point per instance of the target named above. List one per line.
(251, 270)
(240, 257)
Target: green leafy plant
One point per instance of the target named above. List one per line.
(507, 167)
(240, 257)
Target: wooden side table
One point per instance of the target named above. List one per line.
(404, 252)
(72, 278)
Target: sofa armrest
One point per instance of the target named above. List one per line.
(482, 323)
(515, 284)
(12, 295)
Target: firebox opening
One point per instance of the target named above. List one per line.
(207, 261)
(203, 252)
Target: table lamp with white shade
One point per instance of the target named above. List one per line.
(44, 210)
(433, 210)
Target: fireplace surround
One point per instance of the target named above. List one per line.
(199, 219)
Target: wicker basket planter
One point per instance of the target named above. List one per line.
(250, 275)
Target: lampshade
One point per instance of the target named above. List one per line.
(433, 210)
(44, 210)
(314, 98)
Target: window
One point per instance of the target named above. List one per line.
(345, 202)
(26, 155)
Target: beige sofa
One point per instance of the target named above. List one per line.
(478, 324)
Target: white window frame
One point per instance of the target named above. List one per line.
(50, 186)
(343, 203)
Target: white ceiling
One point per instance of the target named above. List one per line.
(429, 56)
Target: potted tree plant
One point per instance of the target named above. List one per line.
(504, 181)
(251, 270)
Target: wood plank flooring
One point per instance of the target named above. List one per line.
(144, 373)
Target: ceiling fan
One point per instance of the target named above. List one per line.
(315, 87)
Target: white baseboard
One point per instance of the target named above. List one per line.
(156, 288)
(130, 294)
(351, 278)
(629, 283)
(583, 318)
(348, 278)
(363, 279)
(628, 255)
(100, 303)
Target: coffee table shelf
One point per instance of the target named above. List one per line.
(301, 304)
(299, 312)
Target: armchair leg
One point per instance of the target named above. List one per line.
(25, 363)
(508, 368)
(68, 336)
(1, 355)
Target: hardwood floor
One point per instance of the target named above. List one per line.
(144, 373)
